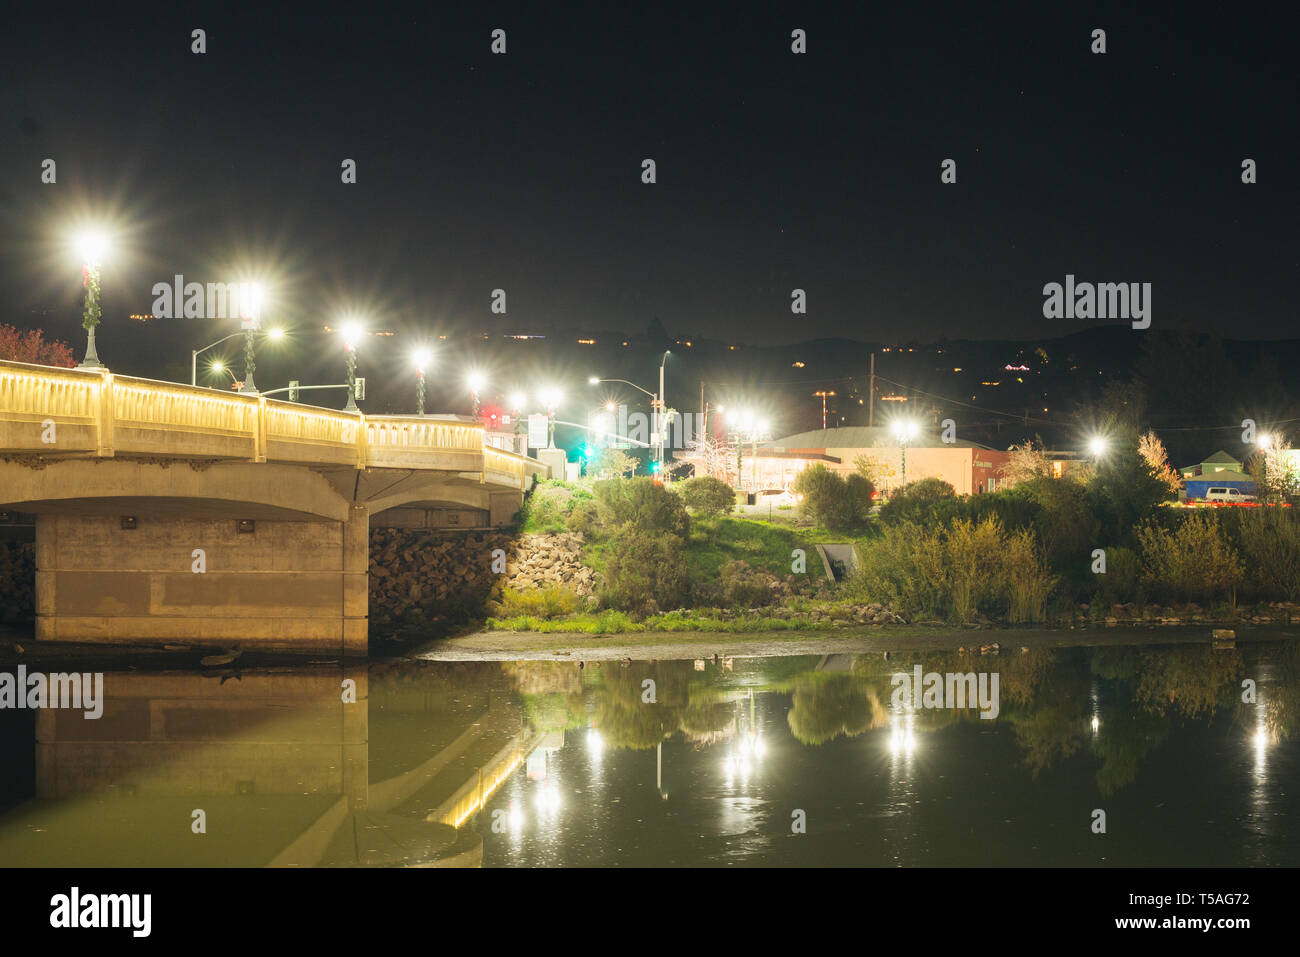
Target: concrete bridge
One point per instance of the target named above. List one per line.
(169, 512)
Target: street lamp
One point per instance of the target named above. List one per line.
(252, 322)
(476, 382)
(421, 359)
(352, 332)
(274, 334)
(904, 430)
(92, 246)
(1098, 445)
(551, 398)
(219, 366)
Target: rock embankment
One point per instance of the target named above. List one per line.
(432, 572)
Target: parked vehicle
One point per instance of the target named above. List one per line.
(1227, 494)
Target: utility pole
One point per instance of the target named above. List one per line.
(871, 393)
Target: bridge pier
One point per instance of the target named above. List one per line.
(291, 586)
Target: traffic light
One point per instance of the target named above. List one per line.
(587, 451)
(656, 467)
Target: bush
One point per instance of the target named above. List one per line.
(1122, 581)
(584, 519)
(1195, 562)
(553, 601)
(831, 502)
(646, 571)
(643, 503)
(708, 495)
(1270, 541)
(740, 589)
(1123, 493)
(956, 571)
(929, 501)
(1062, 520)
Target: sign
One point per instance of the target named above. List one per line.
(538, 433)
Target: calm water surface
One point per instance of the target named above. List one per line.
(552, 763)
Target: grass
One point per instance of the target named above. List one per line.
(703, 620)
(765, 545)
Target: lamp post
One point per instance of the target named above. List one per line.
(351, 333)
(251, 317)
(195, 353)
(476, 381)
(551, 399)
(656, 447)
(220, 366)
(661, 432)
(420, 357)
(91, 246)
(904, 431)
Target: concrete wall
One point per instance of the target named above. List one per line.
(291, 586)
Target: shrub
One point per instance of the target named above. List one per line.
(1027, 579)
(1195, 562)
(929, 501)
(708, 495)
(1123, 493)
(740, 589)
(956, 571)
(646, 571)
(829, 501)
(1122, 581)
(1270, 542)
(1062, 520)
(641, 502)
(584, 519)
(553, 601)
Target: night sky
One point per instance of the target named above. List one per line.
(819, 171)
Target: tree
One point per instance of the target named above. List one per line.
(1153, 453)
(33, 347)
(613, 463)
(825, 498)
(874, 469)
(1124, 492)
(1276, 472)
(1027, 461)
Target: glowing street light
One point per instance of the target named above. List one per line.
(904, 430)
(352, 332)
(476, 381)
(92, 246)
(1098, 446)
(252, 321)
(218, 366)
(273, 334)
(421, 359)
(551, 398)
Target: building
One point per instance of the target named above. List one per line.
(967, 467)
(1220, 470)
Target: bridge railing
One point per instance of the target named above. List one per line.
(53, 410)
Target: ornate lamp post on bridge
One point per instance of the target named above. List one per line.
(92, 245)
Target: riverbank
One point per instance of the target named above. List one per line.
(530, 646)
